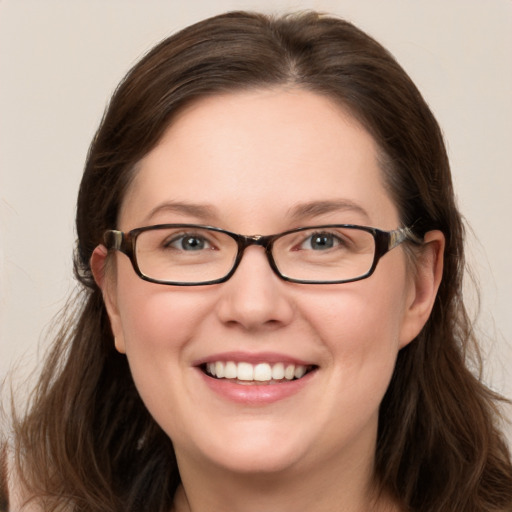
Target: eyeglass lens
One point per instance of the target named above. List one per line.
(194, 254)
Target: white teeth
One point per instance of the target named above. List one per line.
(219, 369)
(261, 372)
(289, 372)
(299, 372)
(230, 370)
(245, 371)
(278, 371)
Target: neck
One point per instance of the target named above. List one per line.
(350, 489)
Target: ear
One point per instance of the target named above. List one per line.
(424, 286)
(106, 282)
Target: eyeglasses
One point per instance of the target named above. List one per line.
(191, 255)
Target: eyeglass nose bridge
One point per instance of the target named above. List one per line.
(245, 241)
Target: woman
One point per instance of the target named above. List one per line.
(286, 331)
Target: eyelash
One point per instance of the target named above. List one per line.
(184, 236)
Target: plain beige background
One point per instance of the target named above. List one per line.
(60, 61)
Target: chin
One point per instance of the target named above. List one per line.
(254, 462)
(255, 449)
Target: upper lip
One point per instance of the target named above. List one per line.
(253, 358)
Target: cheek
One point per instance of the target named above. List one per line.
(356, 321)
(155, 319)
(158, 324)
(360, 327)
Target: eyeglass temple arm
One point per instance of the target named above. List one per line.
(400, 235)
(113, 239)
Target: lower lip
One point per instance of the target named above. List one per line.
(256, 394)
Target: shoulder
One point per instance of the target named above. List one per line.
(17, 499)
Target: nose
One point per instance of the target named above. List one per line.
(255, 297)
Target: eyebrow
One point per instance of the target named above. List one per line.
(317, 208)
(301, 211)
(200, 211)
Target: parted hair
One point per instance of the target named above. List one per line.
(87, 442)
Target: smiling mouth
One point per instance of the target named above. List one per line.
(260, 373)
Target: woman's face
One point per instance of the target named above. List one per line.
(263, 162)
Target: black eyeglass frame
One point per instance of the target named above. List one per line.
(385, 241)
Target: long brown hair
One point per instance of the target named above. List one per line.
(88, 441)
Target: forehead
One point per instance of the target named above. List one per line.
(253, 157)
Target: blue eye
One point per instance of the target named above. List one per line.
(192, 243)
(189, 243)
(321, 241)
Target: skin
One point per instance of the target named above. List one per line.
(252, 158)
